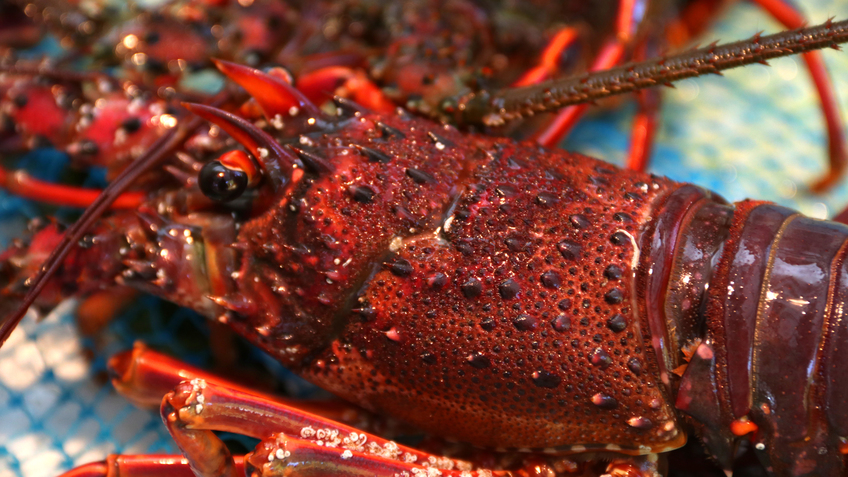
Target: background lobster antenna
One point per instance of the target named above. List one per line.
(158, 151)
(515, 103)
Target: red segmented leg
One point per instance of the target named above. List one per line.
(143, 376)
(318, 445)
(786, 14)
(610, 55)
(645, 122)
(142, 466)
(565, 120)
(20, 183)
(644, 130)
(547, 66)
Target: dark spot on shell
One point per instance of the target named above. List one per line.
(311, 161)
(428, 357)
(617, 323)
(550, 279)
(569, 250)
(505, 191)
(601, 358)
(544, 379)
(613, 272)
(478, 361)
(564, 304)
(437, 281)
(131, 124)
(366, 313)
(579, 221)
(513, 244)
(614, 296)
(363, 194)
(546, 199)
(619, 238)
(508, 289)
(439, 139)
(465, 247)
(634, 365)
(561, 323)
(20, 100)
(401, 268)
(641, 423)
(622, 217)
(151, 38)
(525, 323)
(487, 324)
(388, 131)
(373, 154)
(632, 197)
(604, 401)
(418, 176)
(472, 288)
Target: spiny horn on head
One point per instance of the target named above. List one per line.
(277, 98)
(275, 160)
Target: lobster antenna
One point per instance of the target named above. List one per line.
(155, 154)
(515, 103)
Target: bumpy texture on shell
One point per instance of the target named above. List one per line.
(478, 288)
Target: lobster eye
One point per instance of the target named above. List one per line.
(221, 183)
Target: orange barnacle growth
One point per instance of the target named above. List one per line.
(742, 426)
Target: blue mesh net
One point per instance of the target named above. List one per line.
(754, 133)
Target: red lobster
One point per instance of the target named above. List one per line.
(483, 290)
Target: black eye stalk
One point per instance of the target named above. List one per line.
(228, 177)
(220, 183)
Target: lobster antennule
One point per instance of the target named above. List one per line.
(274, 158)
(275, 96)
(155, 154)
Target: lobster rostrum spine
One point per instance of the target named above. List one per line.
(399, 261)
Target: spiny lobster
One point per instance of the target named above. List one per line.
(507, 291)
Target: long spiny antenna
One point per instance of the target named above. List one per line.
(510, 104)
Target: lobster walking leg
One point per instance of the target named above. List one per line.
(314, 444)
(142, 466)
(610, 55)
(547, 67)
(143, 376)
(643, 130)
(784, 12)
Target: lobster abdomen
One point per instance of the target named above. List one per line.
(775, 323)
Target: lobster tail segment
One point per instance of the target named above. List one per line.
(777, 333)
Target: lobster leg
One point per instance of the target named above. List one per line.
(644, 129)
(645, 122)
(22, 184)
(142, 466)
(306, 441)
(548, 64)
(143, 376)
(610, 55)
(785, 13)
